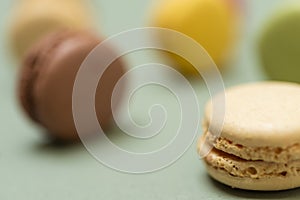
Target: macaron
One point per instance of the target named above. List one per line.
(47, 78)
(259, 145)
(211, 23)
(279, 45)
(32, 19)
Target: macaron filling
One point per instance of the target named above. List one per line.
(235, 166)
(269, 154)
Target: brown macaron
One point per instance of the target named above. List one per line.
(47, 78)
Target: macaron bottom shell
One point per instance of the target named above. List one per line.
(258, 175)
(272, 183)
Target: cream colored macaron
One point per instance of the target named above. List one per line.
(32, 19)
(259, 146)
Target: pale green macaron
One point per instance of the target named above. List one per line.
(259, 146)
(279, 45)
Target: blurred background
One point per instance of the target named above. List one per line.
(34, 168)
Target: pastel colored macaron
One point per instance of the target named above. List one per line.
(47, 78)
(211, 23)
(279, 45)
(259, 146)
(32, 19)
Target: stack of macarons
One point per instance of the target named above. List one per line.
(52, 44)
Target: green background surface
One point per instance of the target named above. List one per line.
(31, 168)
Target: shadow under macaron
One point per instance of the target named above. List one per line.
(56, 146)
(50, 145)
(248, 194)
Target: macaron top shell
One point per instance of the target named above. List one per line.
(47, 80)
(261, 114)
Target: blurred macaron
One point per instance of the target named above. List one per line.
(279, 45)
(47, 78)
(32, 19)
(214, 24)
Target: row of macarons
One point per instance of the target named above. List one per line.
(214, 24)
(40, 35)
(51, 38)
(211, 23)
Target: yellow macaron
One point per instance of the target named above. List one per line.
(211, 23)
